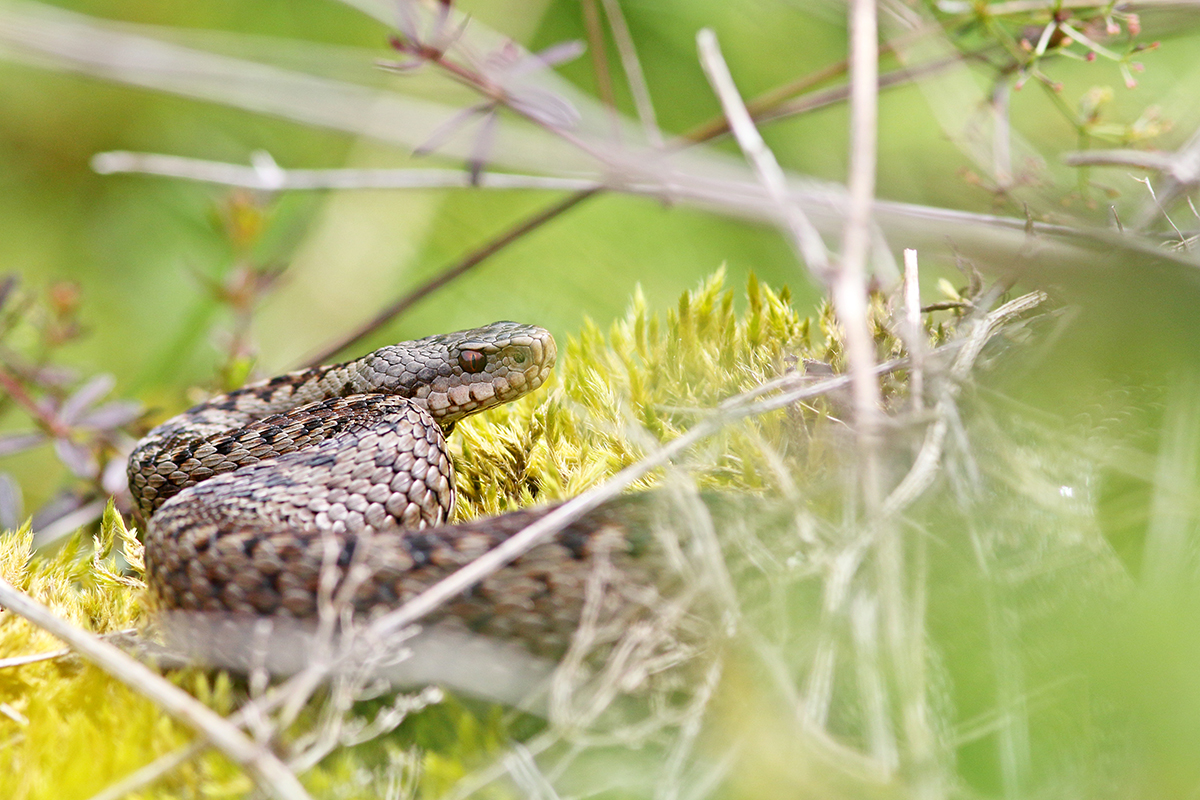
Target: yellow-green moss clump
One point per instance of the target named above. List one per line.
(67, 730)
(648, 381)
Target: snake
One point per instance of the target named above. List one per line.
(334, 485)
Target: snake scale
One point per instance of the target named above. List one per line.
(333, 485)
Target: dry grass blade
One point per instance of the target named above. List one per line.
(850, 282)
(804, 235)
(599, 54)
(633, 71)
(151, 773)
(276, 179)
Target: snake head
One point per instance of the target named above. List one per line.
(461, 373)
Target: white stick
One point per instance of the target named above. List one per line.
(804, 235)
(850, 285)
(916, 335)
(267, 176)
(633, 71)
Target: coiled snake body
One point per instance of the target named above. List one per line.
(265, 500)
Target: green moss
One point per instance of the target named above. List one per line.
(68, 729)
(617, 396)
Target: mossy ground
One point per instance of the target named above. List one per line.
(67, 729)
(1013, 652)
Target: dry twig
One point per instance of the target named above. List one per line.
(804, 236)
(633, 72)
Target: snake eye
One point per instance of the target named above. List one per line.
(472, 361)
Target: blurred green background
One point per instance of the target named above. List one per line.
(136, 244)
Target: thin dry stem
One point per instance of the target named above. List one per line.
(153, 772)
(599, 53)
(1142, 159)
(864, 625)
(850, 282)
(890, 80)
(851, 304)
(803, 234)
(928, 460)
(265, 175)
(48, 421)
(1180, 173)
(33, 658)
(915, 331)
(633, 72)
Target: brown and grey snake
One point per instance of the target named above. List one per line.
(263, 501)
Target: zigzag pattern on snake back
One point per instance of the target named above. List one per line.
(333, 485)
